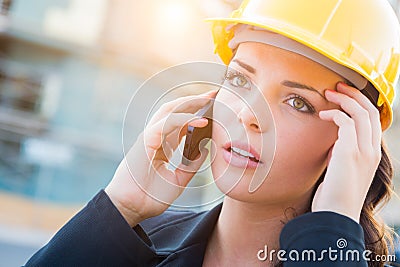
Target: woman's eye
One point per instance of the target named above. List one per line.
(300, 104)
(238, 80)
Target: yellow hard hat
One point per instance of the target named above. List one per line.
(362, 35)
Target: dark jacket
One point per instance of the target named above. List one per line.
(99, 236)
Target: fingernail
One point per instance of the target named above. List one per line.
(209, 93)
(196, 118)
(330, 91)
(196, 121)
(341, 85)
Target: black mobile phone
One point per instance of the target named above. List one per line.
(194, 135)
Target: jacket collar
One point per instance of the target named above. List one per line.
(180, 230)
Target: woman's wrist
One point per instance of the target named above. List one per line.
(352, 215)
(131, 217)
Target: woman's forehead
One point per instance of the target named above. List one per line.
(262, 57)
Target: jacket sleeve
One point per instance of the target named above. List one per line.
(97, 236)
(323, 239)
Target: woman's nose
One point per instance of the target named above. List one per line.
(249, 119)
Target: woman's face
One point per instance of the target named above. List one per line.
(288, 142)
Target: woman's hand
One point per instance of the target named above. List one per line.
(355, 156)
(143, 186)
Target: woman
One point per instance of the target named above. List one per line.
(298, 151)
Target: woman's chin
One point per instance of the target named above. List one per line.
(232, 180)
(236, 186)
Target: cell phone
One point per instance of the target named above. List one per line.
(194, 135)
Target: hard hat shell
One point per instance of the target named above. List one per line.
(363, 35)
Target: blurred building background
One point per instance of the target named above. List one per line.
(67, 71)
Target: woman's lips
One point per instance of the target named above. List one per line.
(241, 155)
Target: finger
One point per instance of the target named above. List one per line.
(153, 136)
(165, 186)
(172, 183)
(186, 104)
(358, 114)
(175, 138)
(369, 106)
(347, 137)
(192, 101)
(171, 142)
(185, 173)
(162, 155)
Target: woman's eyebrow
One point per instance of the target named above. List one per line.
(301, 86)
(245, 66)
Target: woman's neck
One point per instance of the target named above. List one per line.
(243, 229)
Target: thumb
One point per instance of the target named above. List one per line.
(185, 173)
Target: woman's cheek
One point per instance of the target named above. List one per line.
(303, 153)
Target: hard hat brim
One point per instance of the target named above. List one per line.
(312, 42)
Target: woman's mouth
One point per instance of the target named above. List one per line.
(241, 155)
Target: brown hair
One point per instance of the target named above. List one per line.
(377, 235)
